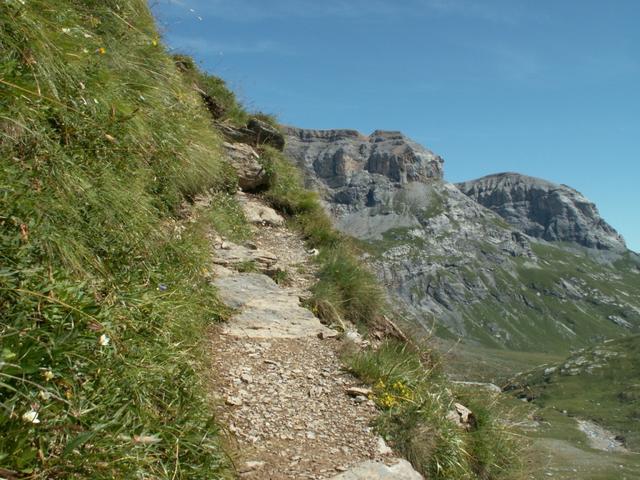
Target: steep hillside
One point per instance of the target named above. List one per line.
(459, 266)
(103, 298)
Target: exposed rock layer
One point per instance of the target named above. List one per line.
(544, 209)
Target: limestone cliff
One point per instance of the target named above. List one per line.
(544, 209)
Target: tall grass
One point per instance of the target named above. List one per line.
(416, 400)
(346, 289)
(102, 295)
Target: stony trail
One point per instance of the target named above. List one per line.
(278, 382)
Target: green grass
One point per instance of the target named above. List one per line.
(218, 98)
(101, 142)
(346, 289)
(604, 389)
(416, 399)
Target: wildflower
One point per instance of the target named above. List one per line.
(66, 30)
(104, 340)
(48, 375)
(101, 51)
(154, 42)
(146, 439)
(44, 395)
(31, 416)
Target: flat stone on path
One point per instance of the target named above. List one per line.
(265, 309)
(379, 471)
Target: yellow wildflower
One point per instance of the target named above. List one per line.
(101, 51)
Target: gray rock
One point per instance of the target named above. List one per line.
(444, 257)
(350, 162)
(266, 134)
(402, 470)
(258, 213)
(245, 160)
(544, 209)
(264, 309)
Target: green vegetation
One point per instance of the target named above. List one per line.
(103, 298)
(417, 400)
(106, 148)
(601, 384)
(218, 98)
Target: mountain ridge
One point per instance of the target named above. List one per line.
(544, 209)
(453, 261)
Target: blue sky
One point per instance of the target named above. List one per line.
(549, 88)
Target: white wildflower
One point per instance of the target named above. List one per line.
(31, 416)
(66, 30)
(44, 395)
(104, 340)
(48, 375)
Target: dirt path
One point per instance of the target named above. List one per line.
(278, 379)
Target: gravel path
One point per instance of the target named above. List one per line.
(280, 389)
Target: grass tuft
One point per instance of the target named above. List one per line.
(416, 401)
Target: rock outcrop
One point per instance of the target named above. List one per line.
(360, 169)
(246, 162)
(544, 209)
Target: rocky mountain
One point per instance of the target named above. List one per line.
(472, 265)
(544, 209)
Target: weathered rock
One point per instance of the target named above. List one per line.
(358, 391)
(544, 209)
(402, 470)
(231, 255)
(245, 160)
(266, 134)
(258, 213)
(264, 309)
(360, 168)
(462, 416)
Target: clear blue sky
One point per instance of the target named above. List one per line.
(549, 88)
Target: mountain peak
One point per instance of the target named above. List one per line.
(544, 209)
(338, 155)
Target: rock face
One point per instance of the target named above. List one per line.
(544, 209)
(359, 169)
(454, 264)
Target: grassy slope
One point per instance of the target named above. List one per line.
(601, 384)
(101, 141)
(529, 303)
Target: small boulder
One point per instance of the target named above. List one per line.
(259, 214)
(462, 416)
(266, 134)
(245, 160)
(358, 392)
